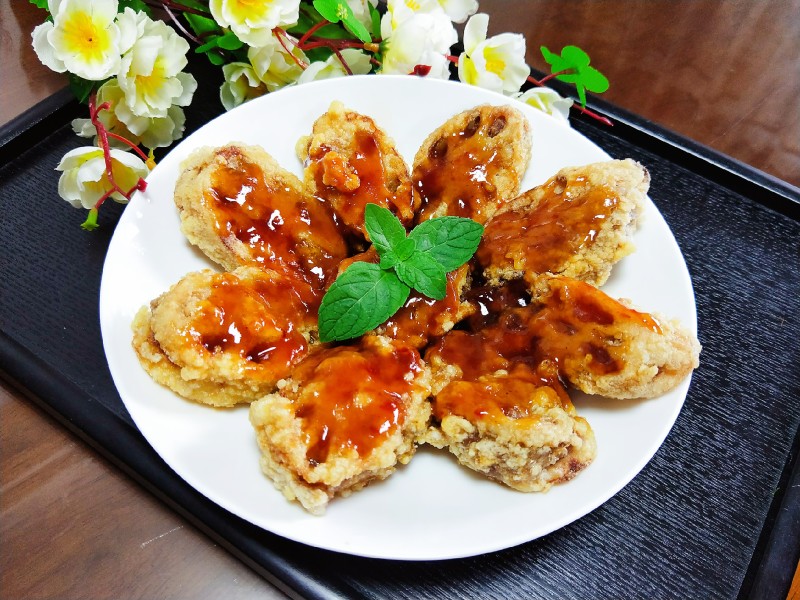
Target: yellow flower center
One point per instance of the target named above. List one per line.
(86, 38)
(494, 61)
(249, 10)
(413, 5)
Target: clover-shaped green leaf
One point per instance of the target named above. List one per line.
(572, 66)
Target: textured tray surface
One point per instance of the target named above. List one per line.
(687, 525)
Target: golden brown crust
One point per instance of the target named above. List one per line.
(578, 224)
(240, 207)
(178, 349)
(285, 422)
(350, 161)
(472, 163)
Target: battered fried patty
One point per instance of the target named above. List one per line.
(472, 163)
(350, 162)
(601, 346)
(346, 417)
(577, 224)
(241, 208)
(226, 338)
(519, 428)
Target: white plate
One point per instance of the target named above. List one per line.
(432, 508)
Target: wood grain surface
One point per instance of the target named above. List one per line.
(726, 74)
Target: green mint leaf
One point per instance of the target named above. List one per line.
(360, 299)
(384, 229)
(424, 274)
(399, 253)
(450, 241)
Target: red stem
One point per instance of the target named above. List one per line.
(279, 35)
(311, 31)
(126, 141)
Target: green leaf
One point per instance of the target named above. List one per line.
(212, 43)
(338, 10)
(216, 59)
(137, 5)
(424, 274)
(450, 241)
(384, 229)
(375, 15)
(81, 88)
(360, 299)
(399, 253)
(40, 4)
(229, 41)
(355, 27)
(202, 25)
(572, 66)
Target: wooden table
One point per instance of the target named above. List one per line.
(726, 74)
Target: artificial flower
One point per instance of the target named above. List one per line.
(82, 39)
(357, 61)
(496, 63)
(421, 40)
(459, 10)
(399, 11)
(241, 84)
(84, 180)
(151, 71)
(151, 132)
(274, 65)
(253, 20)
(547, 100)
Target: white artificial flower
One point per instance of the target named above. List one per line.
(459, 10)
(82, 39)
(84, 179)
(361, 12)
(497, 63)
(253, 20)
(400, 11)
(423, 39)
(241, 84)
(151, 132)
(547, 100)
(358, 61)
(273, 64)
(151, 72)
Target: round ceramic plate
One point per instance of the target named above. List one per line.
(432, 508)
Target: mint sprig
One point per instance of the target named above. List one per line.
(367, 294)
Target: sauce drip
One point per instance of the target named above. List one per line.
(422, 318)
(353, 397)
(283, 229)
(256, 320)
(459, 171)
(567, 217)
(349, 183)
(522, 394)
(574, 327)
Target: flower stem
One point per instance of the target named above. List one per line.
(126, 141)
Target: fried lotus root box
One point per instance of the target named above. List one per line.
(240, 207)
(351, 162)
(577, 224)
(519, 427)
(226, 338)
(472, 163)
(346, 417)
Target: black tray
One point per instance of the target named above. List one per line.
(715, 514)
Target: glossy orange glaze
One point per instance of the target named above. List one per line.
(574, 323)
(353, 397)
(566, 218)
(520, 395)
(459, 170)
(422, 318)
(283, 229)
(255, 319)
(350, 182)
(489, 301)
